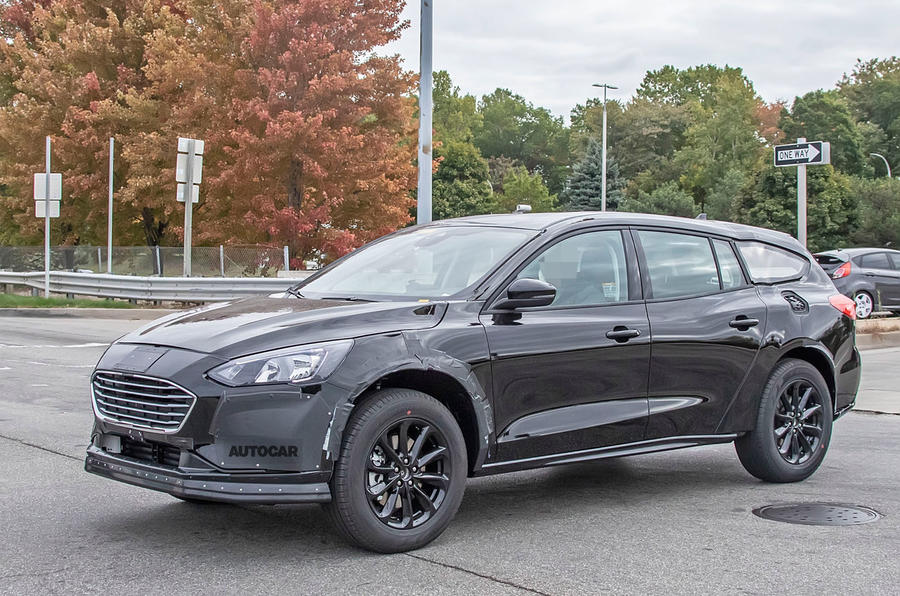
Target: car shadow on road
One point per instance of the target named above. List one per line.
(289, 531)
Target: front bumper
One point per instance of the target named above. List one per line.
(207, 485)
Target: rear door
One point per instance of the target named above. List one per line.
(895, 284)
(706, 325)
(877, 268)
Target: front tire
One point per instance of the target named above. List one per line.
(401, 472)
(865, 305)
(793, 425)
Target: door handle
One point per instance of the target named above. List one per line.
(622, 334)
(870, 275)
(742, 323)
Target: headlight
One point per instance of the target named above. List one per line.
(288, 365)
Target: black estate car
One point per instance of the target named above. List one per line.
(871, 276)
(477, 346)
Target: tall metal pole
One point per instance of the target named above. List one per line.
(47, 219)
(188, 206)
(801, 200)
(884, 159)
(603, 177)
(109, 225)
(423, 206)
(603, 188)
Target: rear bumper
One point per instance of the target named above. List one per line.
(261, 489)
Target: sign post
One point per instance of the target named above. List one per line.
(109, 231)
(188, 175)
(802, 154)
(47, 195)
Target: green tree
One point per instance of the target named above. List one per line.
(873, 91)
(535, 138)
(667, 199)
(695, 84)
(522, 187)
(770, 200)
(456, 115)
(723, 136)
(585, 185)
(721, 198)
(879, 212)
(825, 116)
(461, 186)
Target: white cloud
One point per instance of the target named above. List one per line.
(551, 52)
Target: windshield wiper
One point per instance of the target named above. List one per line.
(347, 298)
(294, 292)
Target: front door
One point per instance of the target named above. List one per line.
(706, 326)
(573, 375)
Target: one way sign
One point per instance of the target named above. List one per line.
(803, 154)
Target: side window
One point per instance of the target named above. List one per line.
(895, 257)
(875, 260)
(769, 264)
(588, 269)
(729, 268)
(679, 264)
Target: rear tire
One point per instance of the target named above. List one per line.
(793, 425)
(865, 305)
(401, 472)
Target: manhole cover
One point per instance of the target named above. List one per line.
(818, 514)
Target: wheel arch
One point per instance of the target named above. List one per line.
(820, 358)
(446, 389)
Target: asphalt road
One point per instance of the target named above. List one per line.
(677, 522)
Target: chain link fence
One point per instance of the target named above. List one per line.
(168, 261)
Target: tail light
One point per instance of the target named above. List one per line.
(842, 271)
(844, 304)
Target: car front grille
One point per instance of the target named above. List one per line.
(141, 402)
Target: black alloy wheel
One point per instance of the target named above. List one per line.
(798, 422)
(401, 472)
(793, 425)
(407, 473)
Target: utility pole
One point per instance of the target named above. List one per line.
(603, 190)
(423, 203)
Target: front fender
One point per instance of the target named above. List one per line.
(377, 357)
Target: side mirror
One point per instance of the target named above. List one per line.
(526, 292)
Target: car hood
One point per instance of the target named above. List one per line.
(232, 329)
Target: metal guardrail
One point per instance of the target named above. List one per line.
(180, 289)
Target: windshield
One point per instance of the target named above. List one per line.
(422, 263)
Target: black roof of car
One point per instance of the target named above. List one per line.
(542, 221)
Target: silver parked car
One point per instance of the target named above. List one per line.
(871, 276)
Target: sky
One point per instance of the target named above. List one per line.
(551, 52)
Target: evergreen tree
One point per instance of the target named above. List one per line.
(584, 188)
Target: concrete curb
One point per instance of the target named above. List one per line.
(121, 314)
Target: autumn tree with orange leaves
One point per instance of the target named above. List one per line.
(309, 131)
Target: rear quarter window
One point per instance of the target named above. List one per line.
(770, 264)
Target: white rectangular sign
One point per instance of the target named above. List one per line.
(183, 145)
(179, 196)
(40, 209)
(181, 173)
(40, 186)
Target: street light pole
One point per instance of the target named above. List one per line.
(603, 190)
(423, 203)
(884, 159)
